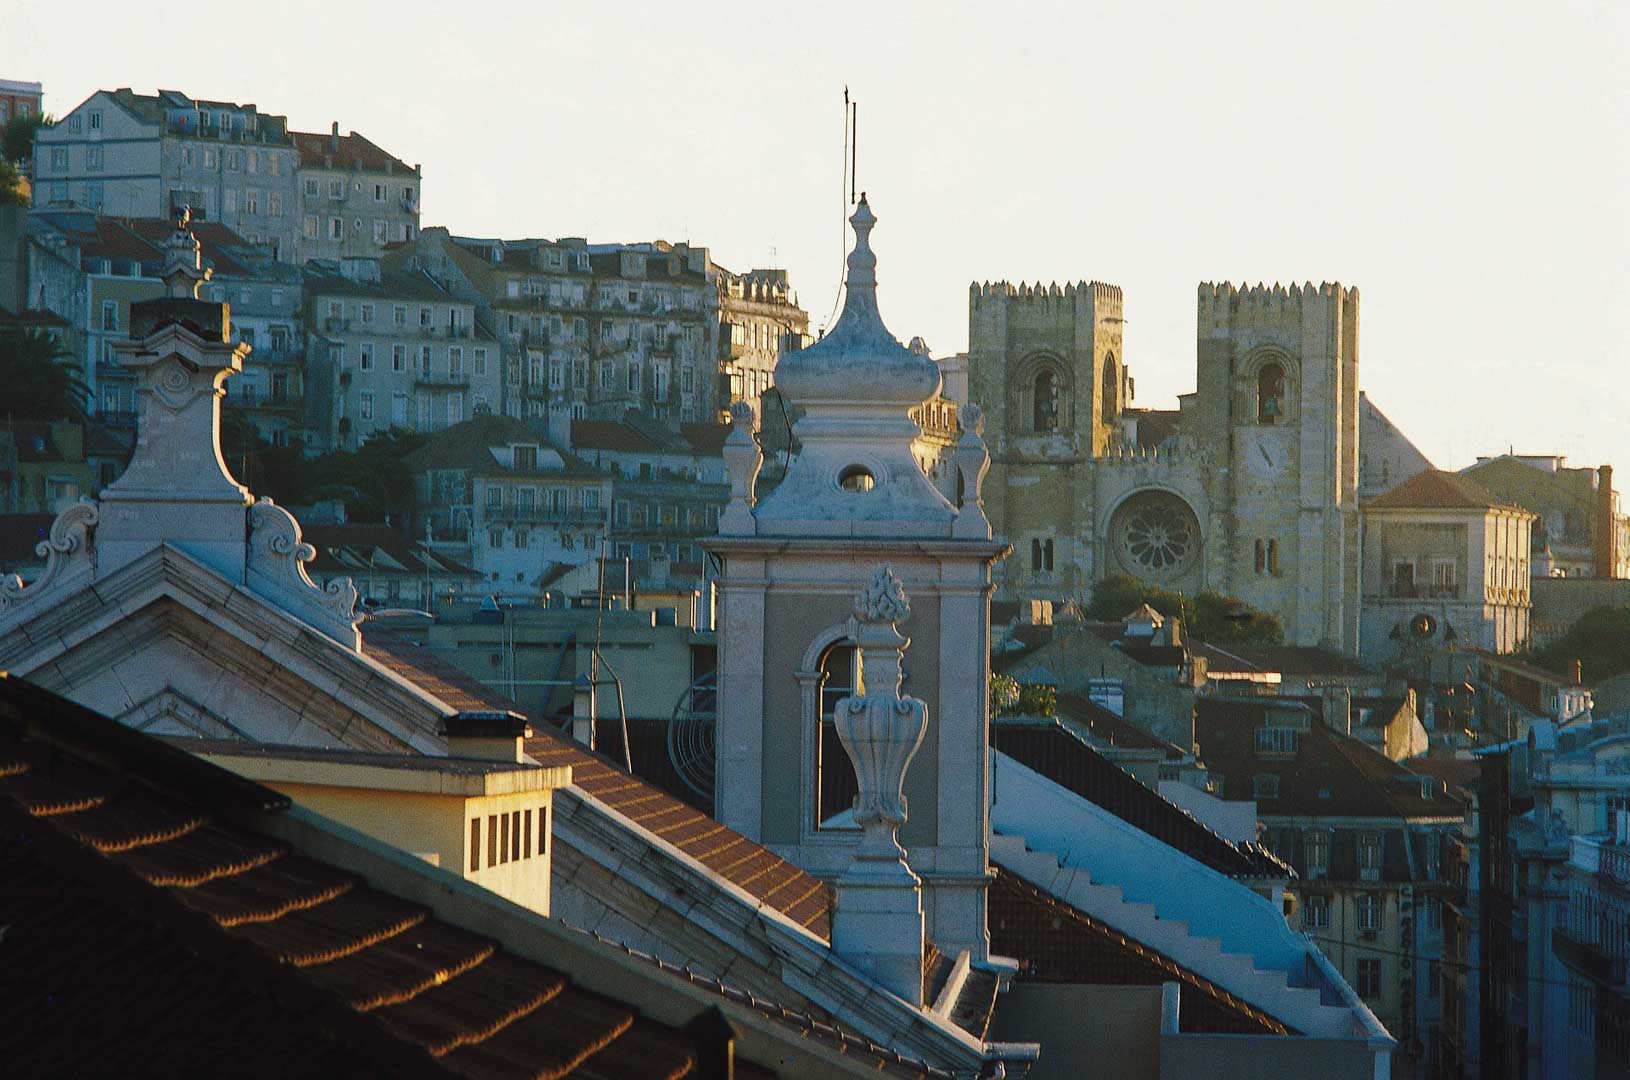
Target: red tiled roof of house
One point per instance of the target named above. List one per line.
(750, 866)
(150, 928)
(353, 152)
(1435, 489)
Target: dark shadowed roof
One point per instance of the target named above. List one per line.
(748, 865)
(1057, 943)
(1284, 659)
(468, 445)
(152, 929)
(1066, 760)
(1110, 729)
(346, 549)
(1325, 774)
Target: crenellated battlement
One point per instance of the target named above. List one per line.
(1227, 303)
(1042, 293)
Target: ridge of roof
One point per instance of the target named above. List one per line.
(1436, 489)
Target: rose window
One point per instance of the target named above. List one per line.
(1155, 535)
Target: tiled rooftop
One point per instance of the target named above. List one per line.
(147, 932)
(748, 865)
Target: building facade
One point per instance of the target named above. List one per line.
(140, 155)
(391, 348)
(1366, 837)
(1255, 495)
(19, 98)
(355, 198)
(759, 320)
(1580, 531)
(1445, 562)
(493, 493)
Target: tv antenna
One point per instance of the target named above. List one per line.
(846, 176)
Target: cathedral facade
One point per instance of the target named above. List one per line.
(1249, 489)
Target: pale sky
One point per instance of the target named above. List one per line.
(1466, 165)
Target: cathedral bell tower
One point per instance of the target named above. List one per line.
(800, 659)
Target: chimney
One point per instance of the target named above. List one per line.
(1606, 534)
(877, 919)
(334, 137)
(488, 735)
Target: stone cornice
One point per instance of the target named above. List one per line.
(358, 683)
(806, 963)
(926, 547)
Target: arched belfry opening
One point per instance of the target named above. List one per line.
(1047, 404)
(1270, 394)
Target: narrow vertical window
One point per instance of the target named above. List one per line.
(492, 840)
(515, 836)
(543, 830)
(503, 838)
(526, 836)
(1261, 557)
(1273, 557)
(475, 843)
(1270, 394)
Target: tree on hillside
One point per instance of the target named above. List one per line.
(1209, 616)
(39, 378)
(1599, 641)
(17, 137)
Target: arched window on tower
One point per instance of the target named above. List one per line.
(1047, 401)
(1111, 390)
(1270, 394)
(835, 782)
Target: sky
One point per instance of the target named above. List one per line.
(1465, 165)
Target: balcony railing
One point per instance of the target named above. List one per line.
(441, 378)
(539, 515)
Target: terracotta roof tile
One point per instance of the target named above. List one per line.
(1435, 489)
(318, 151)
(688, 829)
(210, 950)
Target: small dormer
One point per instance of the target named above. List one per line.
(1142, 622)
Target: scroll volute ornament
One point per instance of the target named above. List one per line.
(880, 729)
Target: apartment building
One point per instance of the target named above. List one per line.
(391, 348)
(759, 319)
(87, 270)
(1445, 561)
(19, 98)
(139, 155)
(355, 198)
(1366, 836)
(500, 498)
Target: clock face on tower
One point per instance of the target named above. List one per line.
(1266, 458)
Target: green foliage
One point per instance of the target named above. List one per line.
(1209, 616)
(17, 137)
(372, 481)
(1600, 641)
(39, 378)
(11, 185)
(1009, 697)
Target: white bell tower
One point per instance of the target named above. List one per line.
(793, 653)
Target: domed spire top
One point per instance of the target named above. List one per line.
(858, 362)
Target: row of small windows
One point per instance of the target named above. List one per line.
(509, 837)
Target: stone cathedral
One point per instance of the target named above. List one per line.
(1250, 488)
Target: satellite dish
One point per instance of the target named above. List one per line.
(691, 743)
(1423, 625)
